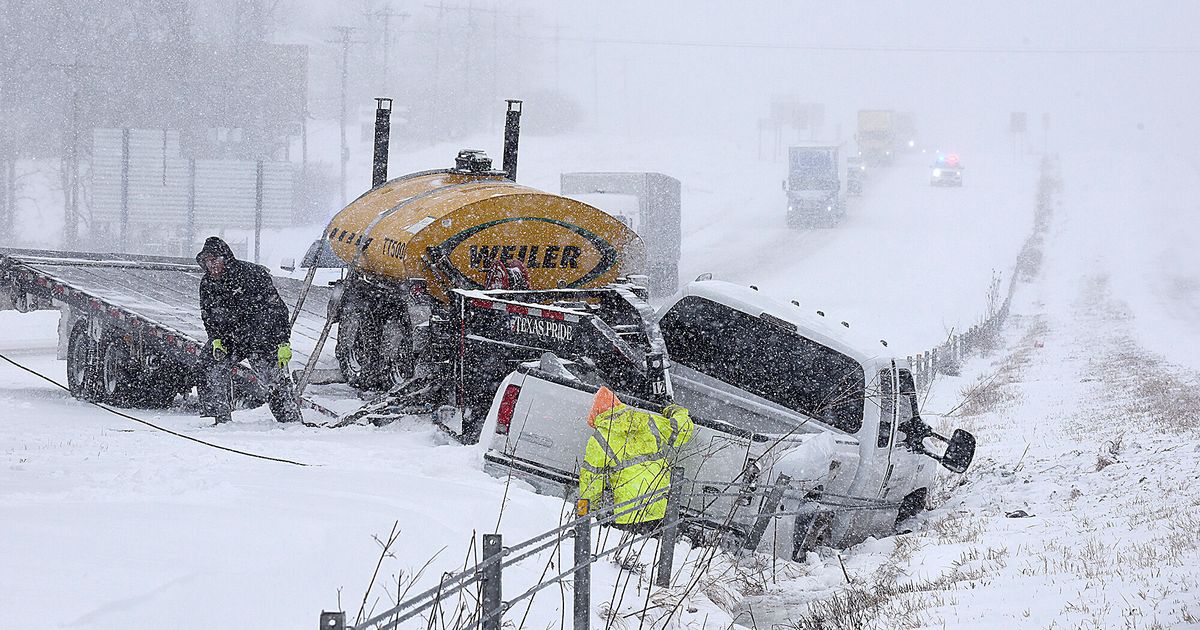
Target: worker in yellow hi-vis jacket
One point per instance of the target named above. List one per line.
(627, 454)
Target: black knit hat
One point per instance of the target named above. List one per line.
(214, 246)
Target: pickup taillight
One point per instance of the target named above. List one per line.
(508, 404)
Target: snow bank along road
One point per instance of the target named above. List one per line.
(105, 524)
(1087, 439)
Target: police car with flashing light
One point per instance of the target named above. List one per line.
(947, 171)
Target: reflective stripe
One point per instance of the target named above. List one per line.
(658, 436)
(641, 459)
(590, 468)
(599, 437)
(618, 463)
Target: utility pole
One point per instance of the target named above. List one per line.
(70, 162)
(7, 153)
(470, 74)
(345, 42)
(386, 14)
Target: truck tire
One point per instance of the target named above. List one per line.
(83, 377)
(357, 348)
(120, 374)
(159, 387)
(374, 353)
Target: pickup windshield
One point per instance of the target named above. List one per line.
(767, 360)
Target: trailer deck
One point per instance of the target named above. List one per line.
(157, 296)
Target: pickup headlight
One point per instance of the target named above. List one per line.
(937, 172)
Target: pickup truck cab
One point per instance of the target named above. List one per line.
(773, 391)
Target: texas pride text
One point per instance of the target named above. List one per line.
(549, 256)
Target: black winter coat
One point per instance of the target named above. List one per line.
(241, 307)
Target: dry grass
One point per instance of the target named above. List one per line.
(885, 600)
(1154, 393)
(992, 392)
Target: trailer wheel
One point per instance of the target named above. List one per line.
(83, 378)
(159, 388)
(121, 376)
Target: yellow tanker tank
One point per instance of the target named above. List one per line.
(449, 227)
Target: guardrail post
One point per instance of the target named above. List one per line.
(492, 604)
(769, 507)
(333, 620)
(666, 544)
(583, 567)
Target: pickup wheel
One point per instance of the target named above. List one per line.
(83, 377)
(911, 505)
(812, 531)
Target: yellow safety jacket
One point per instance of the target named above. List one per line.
(628, 453)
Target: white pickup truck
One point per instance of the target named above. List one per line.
(773, 391)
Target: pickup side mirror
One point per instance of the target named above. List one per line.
(960, 448)
(959, 451)
(783, 185)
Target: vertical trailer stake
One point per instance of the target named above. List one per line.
(512, 136)
(383, 126)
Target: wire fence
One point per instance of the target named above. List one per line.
(947, 357)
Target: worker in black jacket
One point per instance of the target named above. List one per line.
(245, 319)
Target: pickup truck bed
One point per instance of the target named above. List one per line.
(727, 465)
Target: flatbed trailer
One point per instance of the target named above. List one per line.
(131, 330)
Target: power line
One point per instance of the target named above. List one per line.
(882, 49)
(984, 50)
(151, 424)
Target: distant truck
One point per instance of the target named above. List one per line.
(773, 391)
(814, 186)
(876, 136)
(905, 132)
